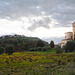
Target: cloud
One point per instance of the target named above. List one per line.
(55, 39)
(32, 15)
(61, 11)
(18, 8)
(40, 22)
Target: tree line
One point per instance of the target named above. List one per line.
(21, 43)
(18, 43)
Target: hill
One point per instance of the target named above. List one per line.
(21, 42)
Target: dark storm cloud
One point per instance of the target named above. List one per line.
(62, 11)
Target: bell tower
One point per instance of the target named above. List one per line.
(73, 24)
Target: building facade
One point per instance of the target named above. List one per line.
(68, 36)
(73, 25)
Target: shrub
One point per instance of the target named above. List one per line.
(35, 49)
(31, 49)
(9, 50)
(1, 50)
(59, 50)
(39, 49)
(44, 49)
(70, 46)
(48, 48)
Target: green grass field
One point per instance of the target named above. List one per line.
(37, 63)
(52, 51)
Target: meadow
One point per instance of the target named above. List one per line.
(37, 63)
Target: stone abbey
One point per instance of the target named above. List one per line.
(68, 36)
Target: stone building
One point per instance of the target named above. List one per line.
(73, 25)
(68, 36)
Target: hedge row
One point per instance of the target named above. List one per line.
(8, 50)
(40, 49)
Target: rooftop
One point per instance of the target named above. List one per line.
(73, 23)
(68, 32)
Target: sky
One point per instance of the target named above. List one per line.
(45, 19)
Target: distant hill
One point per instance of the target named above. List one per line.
(21, 42)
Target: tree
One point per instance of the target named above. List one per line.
(1, 50)
(40, 43)
(9, 50)
(70, 46)
(52, 44)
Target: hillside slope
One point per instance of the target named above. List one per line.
(20, 42)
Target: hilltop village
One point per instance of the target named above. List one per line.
(68, 36)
